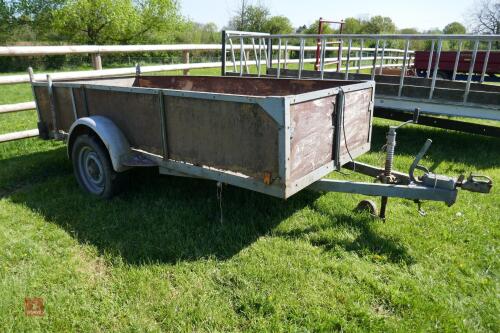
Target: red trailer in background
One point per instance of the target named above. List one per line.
(447, 61)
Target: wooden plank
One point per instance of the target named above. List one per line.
(64, 108)
(42, 98)
(237, 137)
(357, 125)
(311, 135)
(135, 114)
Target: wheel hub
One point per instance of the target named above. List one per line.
(91, 170)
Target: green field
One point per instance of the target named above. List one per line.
(157, 258)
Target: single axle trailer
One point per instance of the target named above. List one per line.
(274, 136)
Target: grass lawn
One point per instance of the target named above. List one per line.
(156, 258)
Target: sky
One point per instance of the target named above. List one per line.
(420, 14)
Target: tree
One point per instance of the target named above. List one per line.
(156, 20)
(210, 33)
(380, 25)
(301, 29)
(249, 17)
(414, 44)
(237, 22)
(258, 18)
(94, 21)
(37, 15)
(353, 26)
(278, 25)
(454, 28)
(313, 28)
(409, 31)
(198, 33)
(485, 17)
(428, 43)
(117, 21)
(6, 20)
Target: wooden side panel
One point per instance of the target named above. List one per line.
(64, 108)
(80, 102)
(232, 136)
(137, 115)
(311, 140)
(312, 131)
(357, 124)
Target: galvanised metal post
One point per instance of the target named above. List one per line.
(485, 64)
(436, 68)
(429, 63)
(471, 70)
(457, 59)
(223, 54)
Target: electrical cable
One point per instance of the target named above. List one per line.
(345, 137)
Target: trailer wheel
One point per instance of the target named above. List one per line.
(367, 206)
(92, 167)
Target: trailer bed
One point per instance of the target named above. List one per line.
(275, 136)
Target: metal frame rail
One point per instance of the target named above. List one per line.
(277, 51)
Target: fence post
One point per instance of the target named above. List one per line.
(185, 58)
(96, 61)
(223, 54)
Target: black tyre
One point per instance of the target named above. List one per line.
(367, 206)
(92, 167)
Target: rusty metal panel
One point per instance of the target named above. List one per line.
(311, 135)
(135, 114)
(221, 134)
(236, 85)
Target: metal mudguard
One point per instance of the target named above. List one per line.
(113, 138)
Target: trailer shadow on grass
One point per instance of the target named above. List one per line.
(162, 219)
(169, 219)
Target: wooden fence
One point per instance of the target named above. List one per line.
(97, 51)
